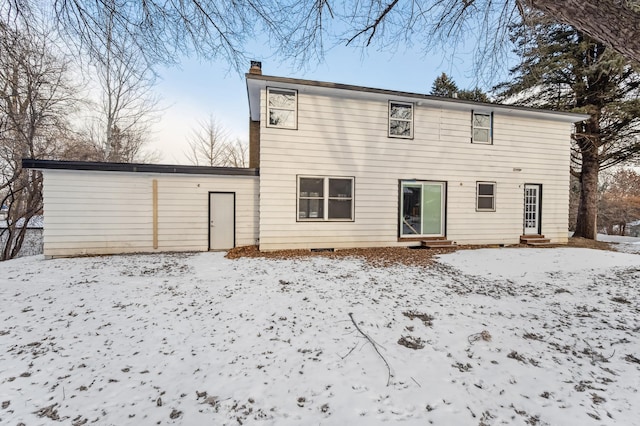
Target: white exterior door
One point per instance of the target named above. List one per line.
(531, 209)
(222, 226)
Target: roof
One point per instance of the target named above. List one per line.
(255, 82)
(136, 168)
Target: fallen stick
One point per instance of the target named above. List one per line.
(375, 346)
(348, 353)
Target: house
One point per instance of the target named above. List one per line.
(331, 166)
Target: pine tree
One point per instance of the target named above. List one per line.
(444, 86)
(476, 95)
(564, 69)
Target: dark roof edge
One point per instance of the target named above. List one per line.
(136, 167)
(329, 85)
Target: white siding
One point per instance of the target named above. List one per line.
(348, 137)
(90, 212)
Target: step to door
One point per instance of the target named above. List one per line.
(437, 243)
(535, 240)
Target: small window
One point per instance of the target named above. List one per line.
(282, 108)
(325, 198)
(400, 120)
(486, 197)
(481, 128)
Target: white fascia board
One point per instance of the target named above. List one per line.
(257, 83)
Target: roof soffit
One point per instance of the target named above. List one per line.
(257, 83)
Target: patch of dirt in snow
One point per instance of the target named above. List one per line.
(591, 244)
(377, 256)
(389, 256)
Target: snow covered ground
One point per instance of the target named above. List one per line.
(621, 243)
(32, 244)
(493, 336)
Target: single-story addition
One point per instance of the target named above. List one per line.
(108, 208)
(331, 166)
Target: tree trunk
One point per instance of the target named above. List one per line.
(613, 22)
(588, 208)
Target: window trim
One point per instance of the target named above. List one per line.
(325, 199)
(445, 194)
(490, 128)
(411, 121)
(493, 196)
(295, 109)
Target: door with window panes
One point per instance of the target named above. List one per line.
(532, 201)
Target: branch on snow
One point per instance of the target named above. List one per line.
(375, 346)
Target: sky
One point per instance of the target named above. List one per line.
(195, 90)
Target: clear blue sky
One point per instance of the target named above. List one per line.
(197, 89)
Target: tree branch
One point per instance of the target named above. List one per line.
(375, 346)
(373, 27)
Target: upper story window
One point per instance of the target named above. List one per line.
(481, 127)
(325, 198)
(282, 108)
(400, 120)
(486, 196)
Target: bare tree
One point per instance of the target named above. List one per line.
(619, 201)
(36, 97)
(301, 28)
(210, 144)
(161, 30)
(128, 106)
(238, 154)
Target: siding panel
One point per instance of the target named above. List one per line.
(112, 212)
(348, 137)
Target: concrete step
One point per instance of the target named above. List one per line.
(535, 240)
(437, 243)
(545, 243)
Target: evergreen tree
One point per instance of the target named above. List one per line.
(564, 69)
(476, 95)
(445, 86)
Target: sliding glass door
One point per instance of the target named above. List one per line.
(422, 209)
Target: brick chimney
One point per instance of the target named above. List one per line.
(254, 144)
(254, 126)
(256, 67)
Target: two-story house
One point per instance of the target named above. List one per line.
(331, 166)
(348, 166)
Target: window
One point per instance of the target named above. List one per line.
(486, 196)
(282, 108)
(400, 120)
(481, 128)
(325, 198)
